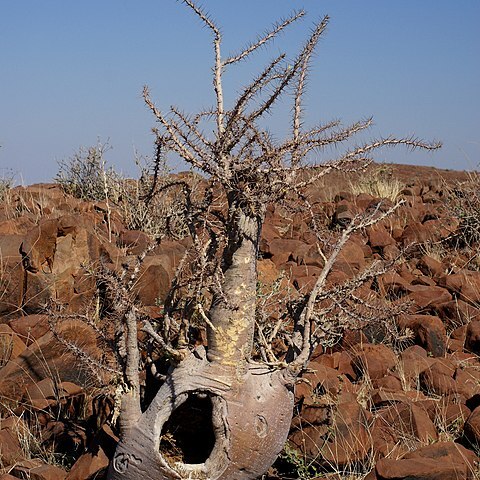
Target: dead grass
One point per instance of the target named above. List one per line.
(378, 181)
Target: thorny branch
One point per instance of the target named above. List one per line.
(252, 169)
(246, 169)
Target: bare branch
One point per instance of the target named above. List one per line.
(218, 69)
(172, 130)
(300, 86)
(203, 16)
(289, 74)
(175, 354)
(410, 142)
(255, 86)
(308, 310)
(191, 125)
(276, 29)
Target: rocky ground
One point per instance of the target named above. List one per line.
(397, 400)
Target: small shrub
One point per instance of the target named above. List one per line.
(6, 184)
(149, 204)
(85, 174)
(464, 204)
(378, 181)
(146, 203)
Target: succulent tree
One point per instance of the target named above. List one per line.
(239, 407)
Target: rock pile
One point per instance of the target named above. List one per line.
(404, 409)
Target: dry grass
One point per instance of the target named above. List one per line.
(6, 348)
(378, 181)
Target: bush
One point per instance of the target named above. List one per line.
(146, 203)
(85, 174)
(464, 204)
(6, 184)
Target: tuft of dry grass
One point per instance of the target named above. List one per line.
(378, 181)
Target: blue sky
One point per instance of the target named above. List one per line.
(73, 72)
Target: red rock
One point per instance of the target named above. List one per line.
(438, 378)
(441, 461)
(21, 469)
(351, 259)
(415, 233)
(269, 232)
(69, 389)
(451, 416)
(344, 441)
(12, 274)
(47, 355)
(38, 292)
(383, 397)
(30, 327)
(454, 345)
(457, 312)
(345, 212)
(135, 241)
(374, 360)
(468, 382)
(388, 382)
(47, 472)
(336, 278)
(431, 267)
(385, 439)
(306, 254)
(429, 332)
(154, 281)
(442, 228)
(92, 464)
(428, 296)
(414, 361)
(351, 338)
(393, 284)
(281, 249)
(472, 337)
(38, 246)
(471, 428)
(379, 237)
(297, 272)
(345, 366)
(44, 389)
(350, 441)
(411, 421)
(344, 195)
(10, 448)
(391, 252)
(321, 380)
(411, 190)
(443, 450)
(15, 424)
(465, 283)
(364, 200)
(11, 346)
(267, 271)
(314, 414)
(10, 247)
(424, 281)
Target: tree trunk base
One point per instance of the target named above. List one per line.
(228, 429)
